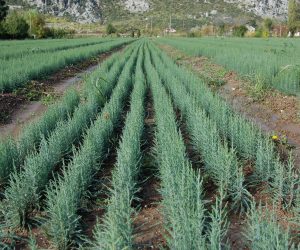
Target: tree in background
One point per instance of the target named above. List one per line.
(110, 29)
(293, 16)
(221, 29)
(3, 10)
(240, 31)
(265, 28)
(3, 14)
(16, 26)
(36, 22)
(268, 24)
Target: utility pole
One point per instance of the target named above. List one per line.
(151, 24)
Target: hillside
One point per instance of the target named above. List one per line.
(188, 11)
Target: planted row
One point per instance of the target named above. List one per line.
(116, 230)
(181, 188)
(270, 63)
(25, 187)
(246, 138)
(65, 194)
(17, 49)
(219, 160)
(16, 73)
(264, 228)
(14, 152)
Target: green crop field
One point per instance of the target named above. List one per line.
(22, 61)
(146, 155)
(273, 62)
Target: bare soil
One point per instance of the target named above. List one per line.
(235, 232)
(148, 221)
(8, 103)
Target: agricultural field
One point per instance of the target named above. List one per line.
(22, 61)
(267, 62)
(147, 155)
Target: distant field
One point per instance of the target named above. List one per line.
(272, 62)
(22, 61)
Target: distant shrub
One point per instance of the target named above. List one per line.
(36, 21)
(110, 29)
(2, 30)
(3, 10)
(191, 34)
(268, 24)
(194, 34)
(262, 33)
(240, 31)
(258, 32)
(16, 26)
(59, 33)
(265, 34)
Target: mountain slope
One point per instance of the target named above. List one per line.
(101, 10)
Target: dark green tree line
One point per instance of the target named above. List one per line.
(293, 16)
(3, 10)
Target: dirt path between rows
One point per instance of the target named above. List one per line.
(148, 221)
(277, 113)
(19, 112)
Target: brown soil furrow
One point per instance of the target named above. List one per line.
(148, 221)
(235, 232)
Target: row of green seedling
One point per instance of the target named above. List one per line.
(22, 70)
(19, 50)
(257, 220)
(181, 187)
(246, 138)
(222, 165)
(116, 229)
(26, 186)
(65, 194)
(277, 66)
(213, 225)
(219, 160)
(13, 152)
(266, 228)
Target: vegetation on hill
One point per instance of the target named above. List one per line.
(294, 16)
(3, 10)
